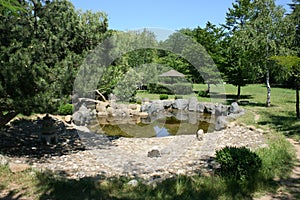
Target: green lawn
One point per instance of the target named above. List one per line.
(277, 160)
(281, 116)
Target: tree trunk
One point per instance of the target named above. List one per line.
(297, 101)
(208, 88)
(4, 119)
(268, 103)
(238, 96)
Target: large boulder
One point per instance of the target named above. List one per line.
(234, 108)
(156, 107)
(193, 104)
(221, 110)
(200, 107)
(221, 123)
(82, 116)
(209, 108)
(181, 104)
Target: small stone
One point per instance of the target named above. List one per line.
(199, 134)
(3, 160)
(181, 172)
(133, 183)
(18, 167)
(154, 153)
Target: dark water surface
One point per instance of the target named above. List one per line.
(158, 125)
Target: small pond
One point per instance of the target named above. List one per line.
(157, 125)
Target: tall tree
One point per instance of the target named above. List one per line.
(41, 51)
(239, 71)
(270, 36)
(291, 68)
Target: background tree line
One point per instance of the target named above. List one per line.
(44, 42)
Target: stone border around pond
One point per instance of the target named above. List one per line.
(130, 156)
(223, 113)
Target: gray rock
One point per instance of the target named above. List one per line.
(193, 104)
(199, 134)
(221, 110)
(145, 107)
(82, 116)
(209, 108)
(221, 123)
(200, 107)
(3, 160)
(154, 153)
(155, 107)
(133, 183)
(181, 104)
(234, 108)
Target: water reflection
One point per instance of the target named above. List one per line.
(159, 125)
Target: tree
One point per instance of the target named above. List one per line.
(268, 33)
(125, 89)
(41, 49)
(291, 65)
(12, 5)
(239, 71)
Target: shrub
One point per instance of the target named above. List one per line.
(179, 88)
(65, 109)
(240, 169)
(239, 164)
(203, 93)
(163, 96)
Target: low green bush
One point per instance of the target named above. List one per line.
(203, 93)
(240, 169)
(163, 96)
(238, 163)
(65, 109)
(178, 88)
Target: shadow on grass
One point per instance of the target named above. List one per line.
(117, 188)
(288, 123)
(181, 187)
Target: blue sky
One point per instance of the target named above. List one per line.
(166, 14)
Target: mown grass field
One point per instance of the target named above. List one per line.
(277, 161)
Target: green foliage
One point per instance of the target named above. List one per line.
(277, 159)
(65, 109)
(163, 96)
(203, 93)
(177, 88)
(239, 164)
(126, 88)
(41, 50)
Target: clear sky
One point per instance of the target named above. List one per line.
(166, 14)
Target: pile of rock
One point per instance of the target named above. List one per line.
(223, 113)
(111, 109)
(106, 109)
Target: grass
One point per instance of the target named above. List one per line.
(277, 160)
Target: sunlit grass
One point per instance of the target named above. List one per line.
(277, 159)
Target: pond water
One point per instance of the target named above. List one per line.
(158, 125)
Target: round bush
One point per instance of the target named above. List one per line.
(163, 96)
(238, 163)
(65, 109)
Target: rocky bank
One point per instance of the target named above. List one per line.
(81, 154)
